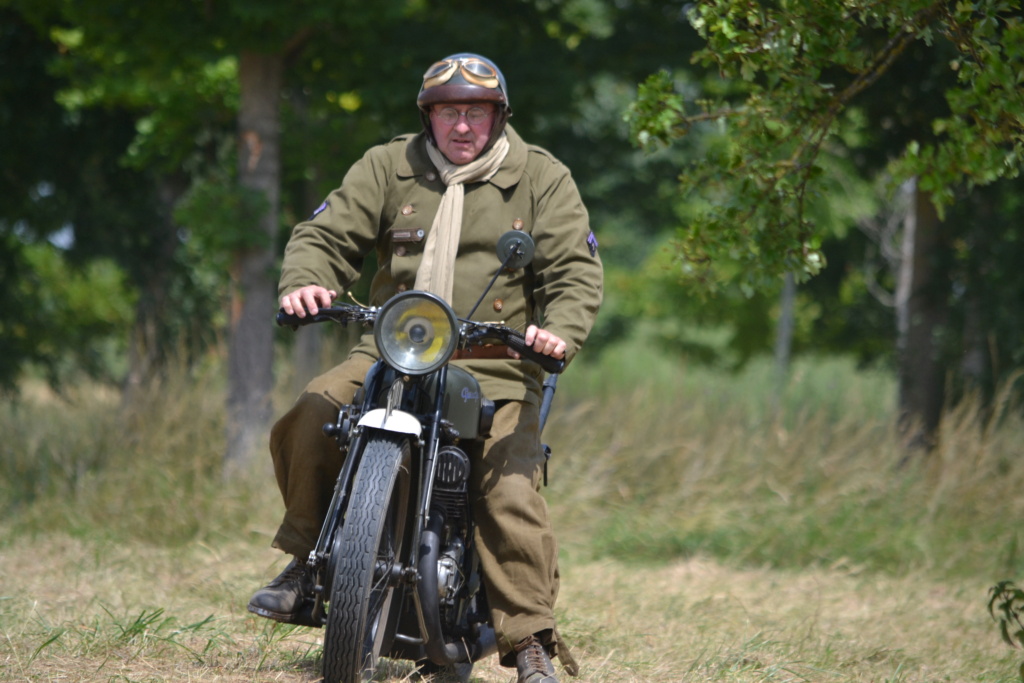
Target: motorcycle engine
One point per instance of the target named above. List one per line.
(451, 483)
(449, 572)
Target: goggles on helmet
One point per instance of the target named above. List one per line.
(475, 71)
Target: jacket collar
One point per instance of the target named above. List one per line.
(415, 161)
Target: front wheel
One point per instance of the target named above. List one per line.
(367, 552)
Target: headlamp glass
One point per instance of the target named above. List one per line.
(416, 332)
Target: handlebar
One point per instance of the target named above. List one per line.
(346, 313)
(339, 313)
(517, 343)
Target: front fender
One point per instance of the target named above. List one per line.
(397, 421)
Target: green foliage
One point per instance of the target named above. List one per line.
(982, 138)
(657, 111)
(67, 179)
(168, 79)
(147, 117)
(219, 214)
(16, 321)
(799, 68)
(75, 311)
(1008, 601)
(1006, 607)
(651, 298)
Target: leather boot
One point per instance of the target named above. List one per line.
(282, 599)
(533, 663)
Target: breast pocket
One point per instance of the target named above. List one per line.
(406, 253)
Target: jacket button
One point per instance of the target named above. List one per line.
(400, 250)
(498, 305)
(431, 176)
(407, 209)
(401, 288)
(517, 224)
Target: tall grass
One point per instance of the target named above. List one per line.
(90, 463)
(702, 516)
(653, 460)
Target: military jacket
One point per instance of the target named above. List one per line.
(387, 202)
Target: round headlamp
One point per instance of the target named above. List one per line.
(416, 332)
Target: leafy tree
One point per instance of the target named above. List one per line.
(181, 72)
(141, 58)
(62, 186)
(792, 74)
(795, 84)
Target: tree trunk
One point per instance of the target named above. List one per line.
(250, 343)
(921, 317)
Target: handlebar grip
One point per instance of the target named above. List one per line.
(517, 343)
(291, 320)
(339, 313)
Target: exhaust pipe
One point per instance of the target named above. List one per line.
(438, 651)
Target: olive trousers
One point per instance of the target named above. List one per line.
(513, 535)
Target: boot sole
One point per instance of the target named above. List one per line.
(267, 614)
(303, 617)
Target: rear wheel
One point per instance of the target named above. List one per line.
(367, 555)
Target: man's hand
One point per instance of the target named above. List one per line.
(307, 300)
(543, 342)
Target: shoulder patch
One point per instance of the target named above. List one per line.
(319, 210)
(592, 243)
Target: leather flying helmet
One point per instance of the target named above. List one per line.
(461, 79)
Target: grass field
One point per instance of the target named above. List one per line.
(77, 610)
(712, 529)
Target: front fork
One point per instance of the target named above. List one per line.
(352, 436)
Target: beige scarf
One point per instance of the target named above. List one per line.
(436, 273)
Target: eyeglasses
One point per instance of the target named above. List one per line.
(473, 70)
(474, 115)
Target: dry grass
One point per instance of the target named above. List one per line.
(709, 534)
(74, 610)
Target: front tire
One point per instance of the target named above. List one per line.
(369, 546)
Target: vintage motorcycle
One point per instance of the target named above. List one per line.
(396, 569)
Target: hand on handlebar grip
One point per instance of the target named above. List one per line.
(517, 342)
(307, 300)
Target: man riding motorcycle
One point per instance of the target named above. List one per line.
(433, 205)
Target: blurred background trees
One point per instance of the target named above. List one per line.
(818, 98)
(154, 159)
